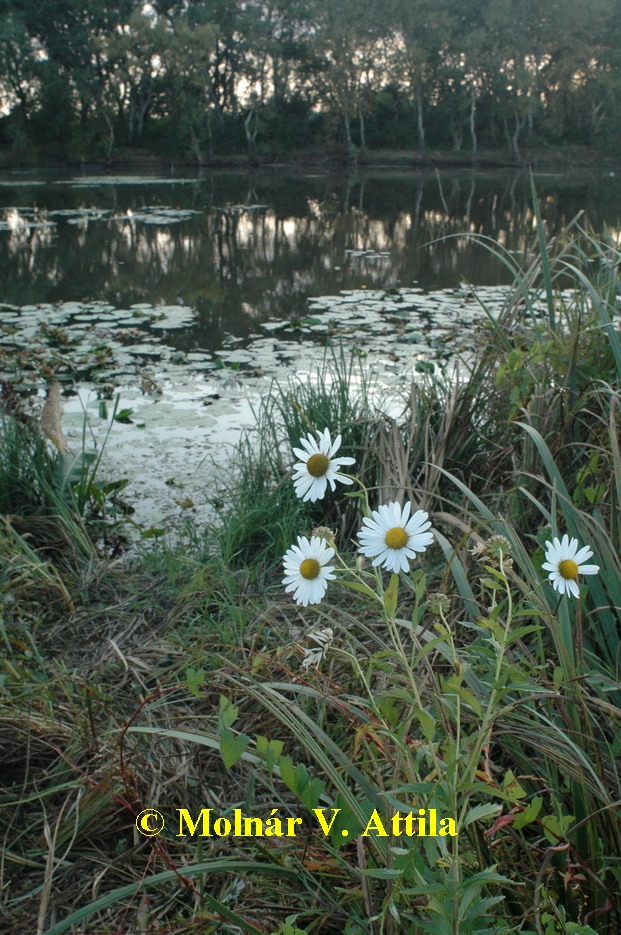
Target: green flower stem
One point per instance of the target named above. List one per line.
(399, 648)
(501, 654)
(362, 494)
(358, 578)
(487, 720)
(358, 670)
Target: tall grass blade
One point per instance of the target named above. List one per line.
(601, 306)
(543, 255)
(166, 876)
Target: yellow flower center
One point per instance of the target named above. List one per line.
(317, 465)
(568, 569)
(396, 538)
(310, 568)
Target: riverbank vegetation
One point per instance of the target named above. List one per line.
(207, 81)
(182, 676)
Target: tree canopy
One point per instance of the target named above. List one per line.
(200, 78)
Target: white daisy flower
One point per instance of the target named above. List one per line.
(307, 571)
(390, 538)
(563, 561)
(318, 467)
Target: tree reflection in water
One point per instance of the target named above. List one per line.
(243, 248)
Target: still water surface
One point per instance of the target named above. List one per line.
(242, 248)
(175, 295)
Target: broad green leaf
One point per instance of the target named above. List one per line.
(426, 721)
(529, 814)
(232, 747)
(195, 679)
(391, 595)
(484, 810)
(227, 712)
(311, 793)
(269, 750)
(512, 787)
(555, 828)
(360, 587)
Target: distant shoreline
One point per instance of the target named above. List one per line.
(332, 159)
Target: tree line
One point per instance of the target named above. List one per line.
(206, 78)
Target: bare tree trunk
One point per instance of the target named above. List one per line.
(347, 129)
(512, 138)
(505, 124)
(251, 127)
(420, 125)
(598, 117)
(473, 129)
(131, 117)
(142, 113)
(458, 136)
(195, 145)
(519, 124)
(110, 123)
(210, 132)
(352, 151)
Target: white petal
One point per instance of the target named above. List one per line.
(301, 469)
(324, 442)
(405, 565)
(584, 553)
(318, 489)
(335, 446)
(381, 516)
(303, 484)
(405, 512)
(550, 566)
(310, 445)
(420, 543)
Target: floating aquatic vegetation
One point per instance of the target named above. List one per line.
(166, 317)
(12, 183)
(240, 209)
(76, 340)
(186, 403)
(82, 216)
(88, 181)
(157, 215)
(440, 324)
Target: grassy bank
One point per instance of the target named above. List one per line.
(557, 159)
(182, 676)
